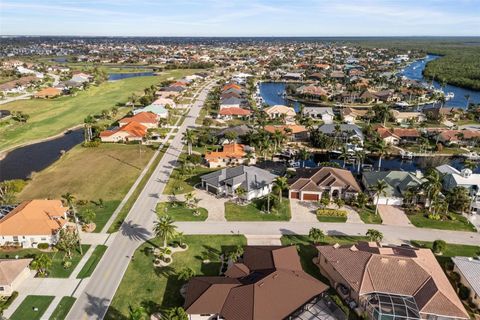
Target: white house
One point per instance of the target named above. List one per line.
(465, 178)
(324, 113)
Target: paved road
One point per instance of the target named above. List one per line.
(137, 228)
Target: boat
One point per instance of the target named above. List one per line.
(472, 156)
(402, 104)
(449, 95)
(406, 155)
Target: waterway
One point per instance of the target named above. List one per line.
(21, 162)
(126, 75)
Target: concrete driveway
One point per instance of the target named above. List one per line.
(393, 215)
(303, 211)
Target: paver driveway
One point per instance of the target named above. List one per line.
(393, 215)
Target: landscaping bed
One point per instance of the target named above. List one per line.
(331, 215)
(180, 212)
(452, 221)
(254, 211)
(158, 288)
(26, 310)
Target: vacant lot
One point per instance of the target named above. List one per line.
(158, 288)
(51, 117)
(106, 173)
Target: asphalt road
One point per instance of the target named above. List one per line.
(94, 301)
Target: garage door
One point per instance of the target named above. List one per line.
(212, 189)
(294, 195)
(310, 197)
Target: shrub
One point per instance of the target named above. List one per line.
(463, 292)
(455, 277)
(331, 213)
(168, 251)
(67, 264)
(43, 246)
(8, 302)
(194, 158)
(91, 144)
(439, 246)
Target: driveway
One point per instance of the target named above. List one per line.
(474, 219)
(303, 211)
(393, 215)
(260, 240)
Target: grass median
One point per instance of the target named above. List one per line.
(92, 262)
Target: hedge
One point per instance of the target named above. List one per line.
(331, 213)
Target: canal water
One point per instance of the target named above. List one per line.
(21, 162)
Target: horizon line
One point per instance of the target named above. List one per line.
(245, 36)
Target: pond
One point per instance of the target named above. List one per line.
(21, 162)
(126, 75)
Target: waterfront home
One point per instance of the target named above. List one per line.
(387, 281)
(157, 109)
(352, 115)
(396, 135)
(324, 113)
(281, 112)
(405, 117)
(132, 131)
(12, 273)
(398, 184)
(458, 137)
(266, 282)
(467, 179)
(237, 131)
(311, 91)
(233, 112)
(293, 76)
(32, 222)
(147, 119)
(232, 103)
(48, 93)
(311, 184)
(347, 132)
(442, 112)
(469, 270)
(292, 131)
(254, 181)
(231, 155)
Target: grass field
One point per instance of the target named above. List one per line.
(180, 212)
(253, 212)
(92, 262)
(158, 288)
(63, 308)
(460, 224)
(56, 270)
(26, 309)
(50, 117)
(106, 172)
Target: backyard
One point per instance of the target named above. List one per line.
(180, 212)
(49, 117)
(254, 211)
(106, 172)
(158, 288)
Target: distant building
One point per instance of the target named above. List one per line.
(132, 131)
(147, 119)
(232, 154)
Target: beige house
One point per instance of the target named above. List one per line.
(403, 117)
(279, 111)
(12, 273)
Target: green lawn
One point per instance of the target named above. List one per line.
(63, 308)
(106, 172)
(179, 212)
(49, 117)
(131, 200)
(158, 288)
(26, 309)
(368, 216)
(253, 212)
(92, 262)
(56, 270)
(460, 224)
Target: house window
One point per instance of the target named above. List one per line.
(44, 239)
(2, 289)
(15, 238)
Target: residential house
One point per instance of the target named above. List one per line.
(398, 183)
(157, 109)
(396, 135)
(32, 222)
(466, 178)
(267, 283)
(232, 154)
(231, 103)
(405, 117)
(81, 77)
(458, 137)
(147, 119)
(132, 131)
(12, 273)
(18, 85)
(233, 112)
(281, 112)
(292, 131)
(165, 102)
(311, 184)
(324, 113)
(351, 115)
(48, 93)
(238, 131)
(469, 270)
(390, 282)
(312, 91)
(347, 132)
(254, 181)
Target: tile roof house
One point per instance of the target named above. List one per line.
(295, 132)
(467, 179)
(33, 222)
(389, 282)
(48, 93)
(255, 181)
(311, 184)
(324, 113)
(458, 136)
(232, 154)
(233, 112)
(398, 182)
(132, 131)
(231, 103)
(350, 131)
(350, 115)
(279, 111)
(12, 273)
(403, 117)
(395, 135)
(469, 270)
(147, 119)
(158, 109)
(267, 283)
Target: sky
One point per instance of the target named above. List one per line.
(240, 17)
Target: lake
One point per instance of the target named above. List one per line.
(21, 162)
(126, 75)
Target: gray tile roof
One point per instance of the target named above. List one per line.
(470, 269)
(330, 129)
(249, 177)
(398, 181)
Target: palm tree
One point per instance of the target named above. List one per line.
(70, 199)
(381, 149)
(360, 155)
(380, 189)
(304, 154)
(189, 137)
(344, 155)
(281, 183)
(137, 313)
(316, 235)
(432, 185)
(374, 235)
(165, 229)
(185, 274)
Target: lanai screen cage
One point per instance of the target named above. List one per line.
(383, 306)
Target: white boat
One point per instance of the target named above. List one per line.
(406, 154)
(449, 95)
(472, 156)
(402, 104)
